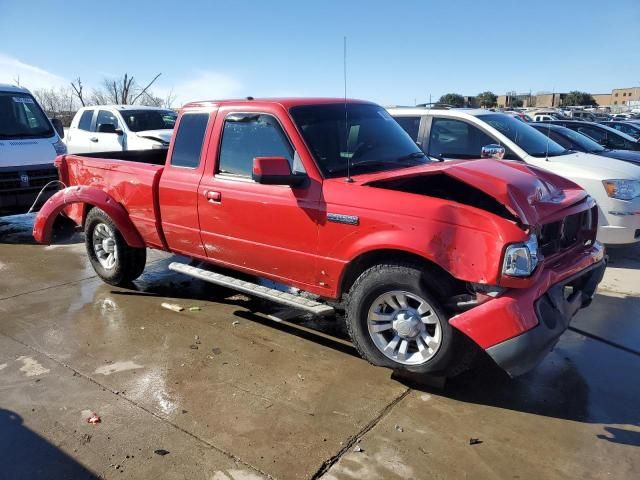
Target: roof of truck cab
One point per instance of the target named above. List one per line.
(284, 102)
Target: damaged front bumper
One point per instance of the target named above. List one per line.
(554, 311)
(519, 328)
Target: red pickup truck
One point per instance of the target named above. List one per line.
(431, 261)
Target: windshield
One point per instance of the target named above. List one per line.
(22, 117)
(140, 120)
(371, 140)
(585, 143)
(525, 136)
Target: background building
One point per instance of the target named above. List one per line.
(622, 96)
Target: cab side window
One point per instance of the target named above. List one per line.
(85, 120)
(450, 138)
(246, 136)
(187, 146)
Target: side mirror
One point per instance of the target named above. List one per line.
(57, 124)
(493, 151)
(107, 128)
(275, 171)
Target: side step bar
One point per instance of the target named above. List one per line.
(250, 288)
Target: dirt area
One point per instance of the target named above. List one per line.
(238, 389)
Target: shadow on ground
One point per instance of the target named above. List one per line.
(27, 455)
(18, 229)
(624, 257)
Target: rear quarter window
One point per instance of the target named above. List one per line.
(85, 120)
(187, 146)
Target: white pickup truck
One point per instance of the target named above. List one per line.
(467, 134)
(112, 128)
(29, 142)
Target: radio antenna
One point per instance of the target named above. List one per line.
(346, 123)
(546, 153)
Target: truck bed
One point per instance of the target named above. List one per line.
(153, 157)
(130, 178)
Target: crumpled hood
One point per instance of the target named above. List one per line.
(529, 193)
(161, 135)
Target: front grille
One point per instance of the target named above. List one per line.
(566, 233)
(14, 181)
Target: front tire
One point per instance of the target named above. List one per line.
(115, 262)
(394, 321)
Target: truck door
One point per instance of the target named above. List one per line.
(78, 138)
(264, 229)
(105, 138)
(178, 190)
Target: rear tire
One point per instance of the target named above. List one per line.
(396, 322)
(115, 262)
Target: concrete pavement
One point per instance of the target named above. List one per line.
(240, 389)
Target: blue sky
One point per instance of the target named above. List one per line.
(398, 51)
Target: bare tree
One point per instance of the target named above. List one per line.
(169, 100)
(77, 88)
(145, 89)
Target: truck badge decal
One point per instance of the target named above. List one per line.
(24, 180)
(340, 218)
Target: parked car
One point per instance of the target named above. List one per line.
(29, 142)
(630, 128)
(430, 260)
(572, 140)
(469, 134)
(606, 136)
(519, 115)
(111, 128)
(543, 117)
(581, 115)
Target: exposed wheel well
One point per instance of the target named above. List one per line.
(444, 284)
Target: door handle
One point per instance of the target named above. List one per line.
(213, 197)
(94, 139)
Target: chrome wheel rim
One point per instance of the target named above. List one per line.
(404, 327)
(104, 245)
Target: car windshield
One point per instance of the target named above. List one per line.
(585, 143)
(363, 135)
(141, 120)
(22, 117)
(525, 136)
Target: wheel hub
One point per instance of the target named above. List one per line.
(404, 327)
(407, 323)
(108, 244)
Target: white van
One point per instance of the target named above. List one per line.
(29, 142)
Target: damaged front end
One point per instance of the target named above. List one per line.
(543, 278)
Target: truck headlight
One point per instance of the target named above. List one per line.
(622, 189)
(60, 148)
(521, 259)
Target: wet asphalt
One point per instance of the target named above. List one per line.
(240, 389)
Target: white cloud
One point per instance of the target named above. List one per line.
(202, 85)
(30, 76)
